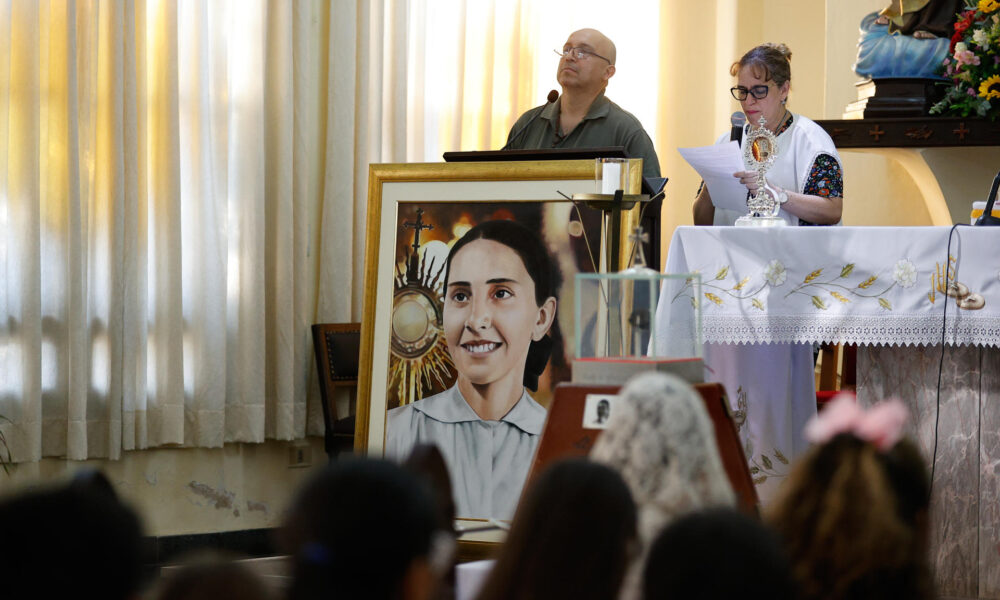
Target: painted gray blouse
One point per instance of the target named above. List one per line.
(488, 460)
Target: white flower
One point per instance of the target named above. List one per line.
(775, 273)
(905, 274)
(961, 47)
(979, 36)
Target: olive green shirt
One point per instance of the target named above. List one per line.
(606, 124)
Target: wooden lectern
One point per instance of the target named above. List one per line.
(564, 435)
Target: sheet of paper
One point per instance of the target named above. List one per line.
(716, 165)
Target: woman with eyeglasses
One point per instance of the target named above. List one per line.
(807, 179)
(807, 175)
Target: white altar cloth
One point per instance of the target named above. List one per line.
(855, 285)
(767, 294)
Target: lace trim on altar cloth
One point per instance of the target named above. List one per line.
(924, 330)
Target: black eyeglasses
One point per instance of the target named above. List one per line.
(579, 54)
(758, 91)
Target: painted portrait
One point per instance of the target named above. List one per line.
(484, 315)
(478, 330)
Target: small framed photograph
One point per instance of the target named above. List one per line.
(597, 410)
(469, 271)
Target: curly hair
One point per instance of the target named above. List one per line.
(854, 521)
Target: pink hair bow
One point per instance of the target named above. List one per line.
(881, 425)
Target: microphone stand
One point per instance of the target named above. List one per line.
(552, 97)
(987, 217)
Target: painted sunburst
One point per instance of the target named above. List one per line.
(419, 350)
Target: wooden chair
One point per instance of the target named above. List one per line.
(829, 385)
(337, 347)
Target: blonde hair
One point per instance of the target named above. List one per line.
(771, 60)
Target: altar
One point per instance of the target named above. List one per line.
(898, 293)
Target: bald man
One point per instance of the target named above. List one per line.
(583, 117)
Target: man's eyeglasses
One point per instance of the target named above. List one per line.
(580, 54)
(758, 91)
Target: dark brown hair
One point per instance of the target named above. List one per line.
(854, 521)
(684, 559)
(770, 62)
(570, 537)
(338, 524)
(525, 243)
(60, 541)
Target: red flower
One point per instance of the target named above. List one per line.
(961, 26)
(965, 22)
(954, 40)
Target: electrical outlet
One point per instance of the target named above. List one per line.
(299, 454)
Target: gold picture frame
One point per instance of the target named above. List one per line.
(395, 189)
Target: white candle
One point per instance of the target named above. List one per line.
(611, 177)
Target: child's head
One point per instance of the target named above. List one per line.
(570, 538)
(853, 511)
(361, 528)
(685, 559)
(215, 576)
(63, 539)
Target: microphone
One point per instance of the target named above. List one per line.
(987, 217)
(552, 97)
(738, 120)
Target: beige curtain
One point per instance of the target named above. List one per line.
(363, 109)
(183, 186)
(182, 191)
(473, 66)
(476, 65)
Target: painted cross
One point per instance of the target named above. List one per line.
(417, 226)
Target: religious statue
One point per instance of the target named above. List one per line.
(909, 38)
(923, 19)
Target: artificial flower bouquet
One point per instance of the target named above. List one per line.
(973, 63)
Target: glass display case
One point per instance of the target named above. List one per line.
(615, 316)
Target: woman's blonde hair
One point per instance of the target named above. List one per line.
(768, 61)
(854, 521)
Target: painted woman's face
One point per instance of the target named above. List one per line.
(490, 315)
